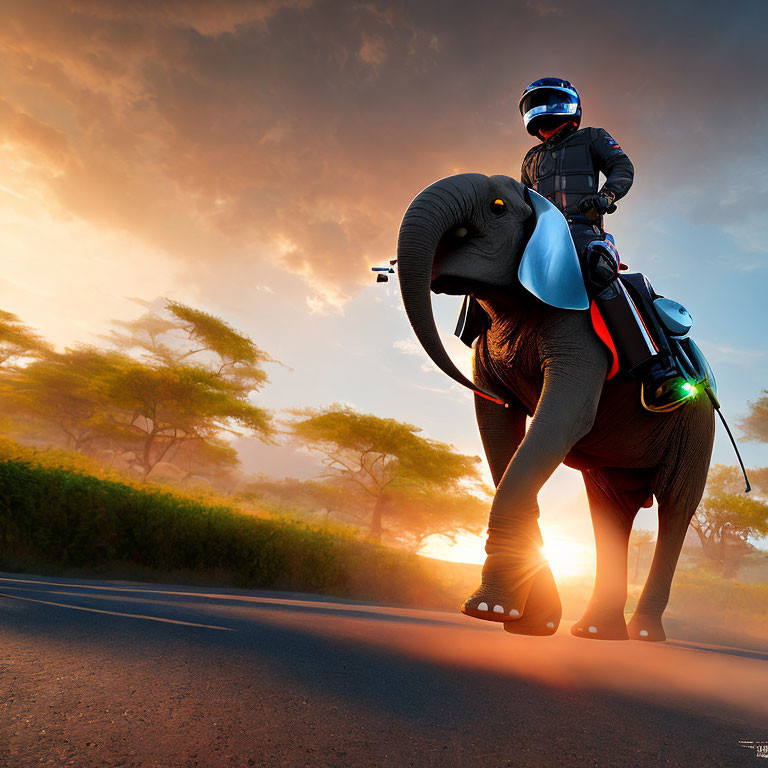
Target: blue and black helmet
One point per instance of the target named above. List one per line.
(546, 102)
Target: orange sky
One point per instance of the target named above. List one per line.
(255, 158)
(222, 137)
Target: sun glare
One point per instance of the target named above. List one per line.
(567, 558)
(467, 548)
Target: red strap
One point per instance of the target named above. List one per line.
(496, 400)
(601, 329)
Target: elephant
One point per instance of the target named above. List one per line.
(466, 235)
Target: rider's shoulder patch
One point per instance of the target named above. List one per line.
(612, 143)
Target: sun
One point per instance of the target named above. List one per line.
(568, 558)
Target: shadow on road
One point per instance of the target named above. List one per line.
(442, 685)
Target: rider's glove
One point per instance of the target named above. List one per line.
(600, 203)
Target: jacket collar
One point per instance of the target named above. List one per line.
(561, 133)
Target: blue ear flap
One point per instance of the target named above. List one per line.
(549, 267)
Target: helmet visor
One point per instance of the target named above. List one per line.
(548, 101)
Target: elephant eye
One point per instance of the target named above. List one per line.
(498, 206)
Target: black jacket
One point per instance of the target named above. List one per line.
(565, 167)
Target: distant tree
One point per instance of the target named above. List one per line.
(759, 480)
(417, 512)
(159, 408)
(61, 399)
(213, 459)
(755, 424)
(184, 335)
(191, 383)
(726, 518)
(328, 498)
(640, 541)
(17, 341)
(383, 458)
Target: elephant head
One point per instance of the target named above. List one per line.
(469, 233)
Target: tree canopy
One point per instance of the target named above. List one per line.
(18, 341)
(726, 517)
(175, 384)
(423, 486)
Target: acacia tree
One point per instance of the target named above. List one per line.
(420, 484)
(187, 381)
(726, 518)
(421, 511)
(183, 335)
(192, 383)
(60, 399)
(17, 341)
(161, 407)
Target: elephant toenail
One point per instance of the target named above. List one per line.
(482, 607)
(514, 613)
(643, 633)
(593, 630)
(550, 625)
(498, 609)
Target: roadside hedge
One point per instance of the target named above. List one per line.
(61, 517)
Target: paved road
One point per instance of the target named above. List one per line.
(115, 674)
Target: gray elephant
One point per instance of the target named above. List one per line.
(467, 235)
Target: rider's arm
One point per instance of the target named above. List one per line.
(613, 162)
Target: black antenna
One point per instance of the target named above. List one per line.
(716, 403)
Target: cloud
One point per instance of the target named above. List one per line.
(203, 16)
(725, 353)
(296, 132)
(409, 347)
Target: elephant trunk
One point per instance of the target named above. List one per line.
(438, 209)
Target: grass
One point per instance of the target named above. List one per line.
(57, 516)
(53, 458)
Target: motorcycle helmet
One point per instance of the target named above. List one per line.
(548, 102)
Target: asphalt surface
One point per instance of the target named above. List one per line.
(117, 674)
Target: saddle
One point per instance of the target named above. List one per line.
(668, 323)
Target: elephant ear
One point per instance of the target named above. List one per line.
(549, 267)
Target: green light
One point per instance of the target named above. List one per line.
(689, 389)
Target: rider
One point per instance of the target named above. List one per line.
(564, 168)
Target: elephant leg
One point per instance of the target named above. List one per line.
(646, 622)
(615, 496)
(517, 586)
(679, 487)
(501, 431)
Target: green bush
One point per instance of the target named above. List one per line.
(59, 516)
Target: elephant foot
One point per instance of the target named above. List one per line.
(511, 592)
(542, 610)
(601, 624)
(647, 627)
